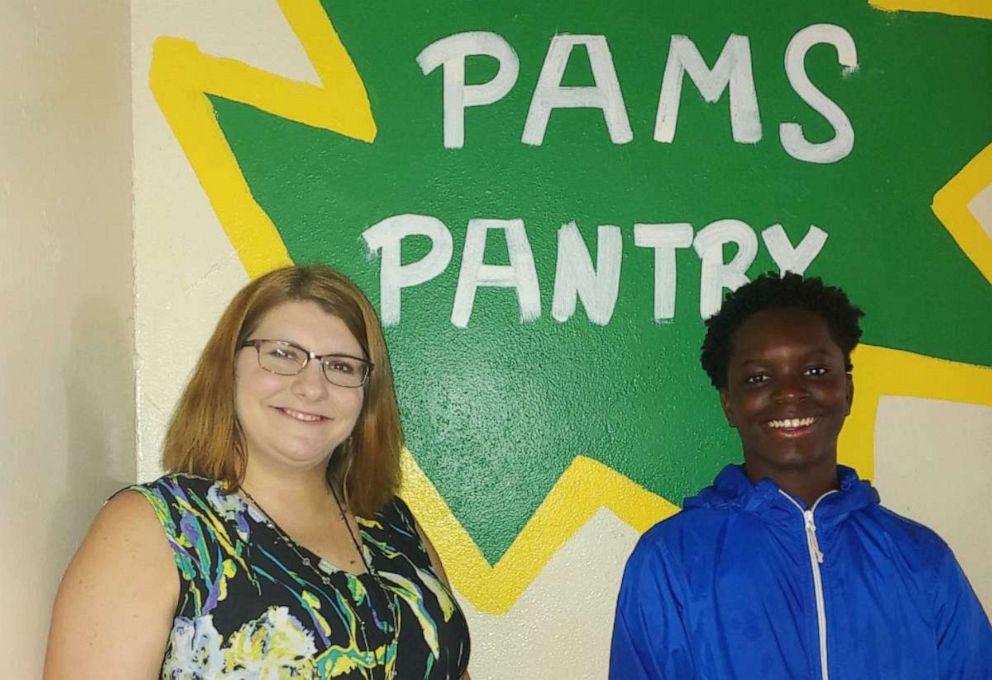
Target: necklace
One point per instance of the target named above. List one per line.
(371, 571)
(390, 674)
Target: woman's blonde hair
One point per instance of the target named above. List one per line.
(204, 436)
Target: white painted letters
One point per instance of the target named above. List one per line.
(451, 52)
(519, 274)
(387, 236)
(733, 69)
(665, 239)
(717, 274)
(550, 94)
(575, 276)
(791, 134)
(791, 259)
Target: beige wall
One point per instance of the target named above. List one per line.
(932, 464)
(67, 416)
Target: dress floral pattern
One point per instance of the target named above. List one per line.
(250, 608)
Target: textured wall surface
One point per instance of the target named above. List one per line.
(931, 462)
(67, 417)
(544, 438)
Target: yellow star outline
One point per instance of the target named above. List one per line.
(181, 78)
(977, 9)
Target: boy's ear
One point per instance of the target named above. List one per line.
(728, 412)
(850, 393)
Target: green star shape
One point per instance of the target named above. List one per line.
(495, 412)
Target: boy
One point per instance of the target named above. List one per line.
(787, 566)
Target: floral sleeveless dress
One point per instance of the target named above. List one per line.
(251, 606)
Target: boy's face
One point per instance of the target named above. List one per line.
(787, 392)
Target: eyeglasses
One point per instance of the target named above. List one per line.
(283, 357)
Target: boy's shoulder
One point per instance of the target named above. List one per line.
(908, 533)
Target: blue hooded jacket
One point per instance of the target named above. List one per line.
(746, 583)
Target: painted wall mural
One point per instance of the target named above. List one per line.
(545, 201)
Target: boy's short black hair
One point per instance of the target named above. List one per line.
(770, 291)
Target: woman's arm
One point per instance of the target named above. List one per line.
(114, 608)
(438, 567)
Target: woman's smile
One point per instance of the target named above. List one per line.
(301, 415)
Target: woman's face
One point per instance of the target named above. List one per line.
(296, 421)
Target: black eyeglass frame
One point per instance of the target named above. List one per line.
(257, 342)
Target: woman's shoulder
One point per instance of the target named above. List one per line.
(393, 523)
(125, 538)
(177, 492)
(124, 545)
(184, 502)
(396, 513)
(175, 484)
(126, 511)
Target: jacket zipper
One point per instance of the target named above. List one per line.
(815, 560)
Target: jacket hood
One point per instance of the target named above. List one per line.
(732, 490)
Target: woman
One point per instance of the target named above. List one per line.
(276, 547)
